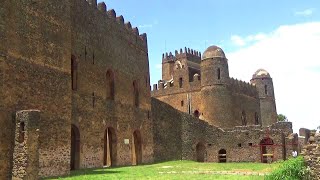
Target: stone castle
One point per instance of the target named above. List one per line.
(75, 94)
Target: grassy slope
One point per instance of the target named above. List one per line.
(175, 170)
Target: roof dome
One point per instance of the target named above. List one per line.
(261, 73)
(212, 52)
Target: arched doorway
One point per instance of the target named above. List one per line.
(266, 145)
(75, 148)
(110, 147)
(200, 151)
(137, 148)
(222, 156)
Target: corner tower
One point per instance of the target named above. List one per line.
(216, 101)
(168, 61)
(263, 81)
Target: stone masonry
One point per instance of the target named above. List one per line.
(311, 153)
(75, 94)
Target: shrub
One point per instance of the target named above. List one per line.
(292, 169)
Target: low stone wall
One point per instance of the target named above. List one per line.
(311, 153)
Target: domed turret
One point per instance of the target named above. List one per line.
(261, 73)
(212, 52)
(216, 101)
(214, 67)
(263, 82)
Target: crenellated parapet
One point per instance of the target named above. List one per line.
(110, 15)
(242, 87)
(186, 53)
(170, 87)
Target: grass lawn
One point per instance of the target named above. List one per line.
(178, 170)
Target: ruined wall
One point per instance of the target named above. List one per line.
(102, 42)
(311, 153)
(26, 149)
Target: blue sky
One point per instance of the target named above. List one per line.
(281, 36)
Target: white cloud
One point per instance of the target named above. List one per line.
(242, 41)
(237, 40)
(306, 12)
(291, 55)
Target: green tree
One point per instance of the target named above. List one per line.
(282, 118)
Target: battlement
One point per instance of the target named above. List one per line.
(111, 15)
(187, 53)
(242, 87)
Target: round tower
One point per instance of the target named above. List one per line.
(263, 82)
(216, 102)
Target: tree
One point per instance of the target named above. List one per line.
(282, 118)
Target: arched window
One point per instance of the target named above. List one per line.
(222, 155)
(136, 93)
(256, 118)
(244, 118)
(74, 73)
(219, 74)
(110, 85)
(266, 89)
(21, 132)
(180, 82)
(196, 113)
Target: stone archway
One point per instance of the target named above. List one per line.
(136, 148)
(110, 147)
(75, 148)
(200, 151)
(222, 156)
(266, 149)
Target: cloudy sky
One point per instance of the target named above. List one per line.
(282, 37)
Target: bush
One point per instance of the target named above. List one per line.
(292, 169)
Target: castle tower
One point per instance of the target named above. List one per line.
(168, 61)
(263, 81)
(216, 102)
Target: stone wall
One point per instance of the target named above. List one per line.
(167, 128)
(37, 47)
(311, 153)
(102, 43)
(177, 135)
(26, 149)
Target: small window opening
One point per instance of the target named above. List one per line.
(21, 132)
(182, 103)
(74, 73)
(196, 114)
(93, 100)
(148, 114)
(85, 53)
(239, 145)
(250, 144)
(219, 73)
(180, 82)
(93, 58)
(266, 89)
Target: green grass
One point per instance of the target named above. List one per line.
(176, 170)
(292, 169)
